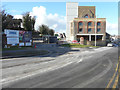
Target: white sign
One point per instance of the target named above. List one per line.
(12, 40)
(28, 44)
(21, 44)
(12, 33)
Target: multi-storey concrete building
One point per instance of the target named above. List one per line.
(82, 23)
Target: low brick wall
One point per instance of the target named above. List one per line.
(98, 43)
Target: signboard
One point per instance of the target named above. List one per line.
(28, 44)
(21, 44)
(21, 33)
(12, 40)
(27, 36)
(12, 33)
(15, 37)
(12, 36)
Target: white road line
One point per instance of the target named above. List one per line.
(5, 81)
(79, 60)
(48, 69)
(82, 85)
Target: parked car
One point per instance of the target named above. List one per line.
(115, 45)
(74, 41)
(110, 44)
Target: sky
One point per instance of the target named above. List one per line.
(53, 14)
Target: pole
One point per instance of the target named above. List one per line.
(95, 30)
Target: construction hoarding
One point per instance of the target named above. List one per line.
(20, 38)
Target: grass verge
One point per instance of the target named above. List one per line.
(26, 53)
(74, 45)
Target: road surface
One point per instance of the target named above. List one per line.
(93, 68)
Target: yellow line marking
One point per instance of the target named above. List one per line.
(116, 81)
(112, 77)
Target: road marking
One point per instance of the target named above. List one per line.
(116, 78)
(79, 60)
(108, 86)
(116, 81)
(5, 81)
(93, 79)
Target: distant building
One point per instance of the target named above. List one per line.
(82, 23)
(15, 24)
(60, 35)
(115, 37)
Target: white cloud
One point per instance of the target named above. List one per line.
(112, 28)
(54, 21)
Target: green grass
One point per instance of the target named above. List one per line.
(74, 45)
(27, 53)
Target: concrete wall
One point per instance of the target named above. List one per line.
(71, 13)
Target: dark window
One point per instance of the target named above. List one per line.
(86, 16)
(80, 23)
(80, 30)
(89, 29)
(89, 23)
(98, 30)
(98, 23)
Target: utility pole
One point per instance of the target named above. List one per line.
(95, 29)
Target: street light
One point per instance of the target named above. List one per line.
(95, 29)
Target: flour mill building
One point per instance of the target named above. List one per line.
(82, 24)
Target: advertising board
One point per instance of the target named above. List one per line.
(12, 40)
(12, 33)
(27, 36)
(15, 37)
(12, 36)
(21, 33)
(21, 44)
(28, 44)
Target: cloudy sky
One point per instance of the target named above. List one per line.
(53, 14)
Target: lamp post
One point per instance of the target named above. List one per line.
(95, 29)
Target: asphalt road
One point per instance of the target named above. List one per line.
(94, 68)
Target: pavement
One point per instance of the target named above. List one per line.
(74, 68)
(38, 51)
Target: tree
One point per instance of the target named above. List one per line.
(6, 19)
(28, 22)
(51, 32)
(33, 23)
(8, 22)
(44, 29)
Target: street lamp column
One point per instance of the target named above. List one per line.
(95, 29)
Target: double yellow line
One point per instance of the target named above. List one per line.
(113, 77)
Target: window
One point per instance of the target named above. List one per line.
(80, 23)
(98, 30)
(89, 23)
(80, 30)
(86, 16)
(98, 23)
(89, 29)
